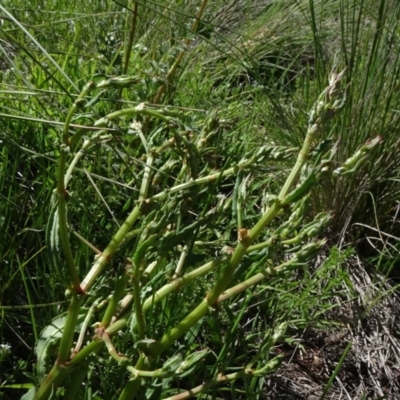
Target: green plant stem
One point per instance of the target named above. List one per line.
(60, 370)
(146, 177)
(137, 303)
(132, 386)
(243, 164)
(240, 250)
(64, 239)
(205, 386)
(88, 142)
(111, 349)
(77, 103)
(180, 329)
(116, 296)
(69, 330)
(248, 283)
(63, 194)
(103, 259)
(54, 378)
(130, 389)
(132, 234)
(182, 258)
(92, 348)
(140, 110)
(96, 344)
(85, 324)
(140, 252)
(184, 280)
(159, 373)
(176, 284)
(301, 159)
(261, 245)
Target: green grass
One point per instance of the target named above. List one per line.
(248, 85)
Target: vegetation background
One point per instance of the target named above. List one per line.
(257, 66)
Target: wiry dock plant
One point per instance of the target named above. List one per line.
(152, 215)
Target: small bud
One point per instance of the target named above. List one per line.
(118, 82)
(310, 250)
(191, 362)
(279, 332)
(173, 363)
(270, 367)
(353, 164)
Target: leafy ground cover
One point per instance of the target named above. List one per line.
(166, 138)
